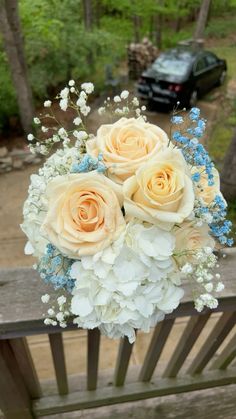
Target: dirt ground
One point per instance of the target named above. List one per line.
(14, 186)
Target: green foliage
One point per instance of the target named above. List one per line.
(221, 27)
(8, 105)
(58, 47)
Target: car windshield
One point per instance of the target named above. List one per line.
(171, 66)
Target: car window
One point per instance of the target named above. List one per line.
(171, 66)
(211, 59)
(200, 65)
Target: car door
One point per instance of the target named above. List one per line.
(202, 74)
(214, 68)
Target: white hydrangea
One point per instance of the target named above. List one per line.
(128, 285)
(37, 121)
(71, 83)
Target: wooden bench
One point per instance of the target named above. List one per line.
(21, 394)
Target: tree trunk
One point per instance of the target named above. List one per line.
(202, 19)
(136, 22)
(158, 23)
(228, 175)
(13, 44)
(88, 14)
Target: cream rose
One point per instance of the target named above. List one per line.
(84, 213)
(126, 145)
(161, 191)
(189, 240)
(203, 190)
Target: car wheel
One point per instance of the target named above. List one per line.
(193, 99)
(222, 78)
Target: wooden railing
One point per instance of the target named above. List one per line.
(20, 389)
(23, 395)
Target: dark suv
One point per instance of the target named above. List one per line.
(181, 75)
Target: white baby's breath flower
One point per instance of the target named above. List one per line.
(43, 150)
(208, 287)
(85, 110)
(44, 129)
(187, 268)
(45, 298)
(30, 137)
(219, 287)
(60, 316)
(124, 94)
(72, 89)
(47, 321)
(61, 300)
(81, 102)
(135, 101)
(64, 93)
(88, 87)
(63, 104)
(62, 132)
(101, 110)
(47, 103)
(80, 135)
(63, 325)
(117, 99)
(143, 108)
(77, 121)
(55, 138)
(51, 312)
(37, 121)
(71, 83)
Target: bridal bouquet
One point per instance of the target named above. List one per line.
(120, 219)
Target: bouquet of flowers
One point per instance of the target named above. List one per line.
(119, 220)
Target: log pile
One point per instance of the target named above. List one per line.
(140, 56)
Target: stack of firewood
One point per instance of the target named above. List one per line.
(140, 56)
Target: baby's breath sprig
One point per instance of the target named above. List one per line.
(70, 97)
(122, 105)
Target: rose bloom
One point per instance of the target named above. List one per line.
(189, 240)
(84, 213)
(126, 145)
(161, 191)
(203, 190)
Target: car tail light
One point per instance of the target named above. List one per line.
(175, 87)
(142, 80)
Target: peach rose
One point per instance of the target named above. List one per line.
(203, 190)
(84, 213)
(161, 191)
(126, 145)
(190, 239)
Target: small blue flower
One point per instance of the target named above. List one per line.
(196, 177)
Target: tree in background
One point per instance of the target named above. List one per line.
(13, 43)
(228, 174)
(202, 19)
